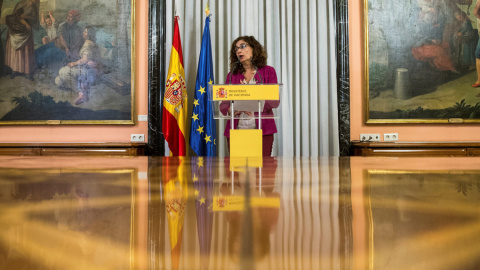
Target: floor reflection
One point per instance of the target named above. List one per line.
(210, 213)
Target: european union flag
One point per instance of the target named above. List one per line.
(203, 133)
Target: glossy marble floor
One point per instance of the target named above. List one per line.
(210, 213)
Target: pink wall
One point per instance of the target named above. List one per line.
(86, 133)
(406, 133)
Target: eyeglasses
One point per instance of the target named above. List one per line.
(242, 46)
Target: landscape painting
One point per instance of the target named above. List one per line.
(66, 62)
(420, 62)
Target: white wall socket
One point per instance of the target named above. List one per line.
(370, 137)
(390, 137)
(137, 137)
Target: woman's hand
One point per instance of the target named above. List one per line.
(22, 21)
(235, 113)
(71, 64)
(245, 112)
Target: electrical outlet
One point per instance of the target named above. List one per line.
(142, 117)
(390, 137)
(375, 137)
(137, 137)
(370, 137)
(142, 175)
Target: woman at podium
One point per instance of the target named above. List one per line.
(248, 65)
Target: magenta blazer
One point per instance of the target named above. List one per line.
(268, 76)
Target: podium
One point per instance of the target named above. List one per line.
(244, 97)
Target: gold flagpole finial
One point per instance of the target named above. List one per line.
(176, 12)
(207, 9)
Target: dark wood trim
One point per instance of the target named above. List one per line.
(156, 75)
(416, 149)
(72, 149)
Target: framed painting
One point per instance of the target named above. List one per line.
(67, 62)
(420, 62)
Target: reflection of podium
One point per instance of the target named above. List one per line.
(244, 97)
(246, 173)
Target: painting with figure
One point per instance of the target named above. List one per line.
(421, 64)
(66, 62)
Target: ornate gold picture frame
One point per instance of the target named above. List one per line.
(420, 63)
(67, 62)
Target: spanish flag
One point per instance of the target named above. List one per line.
(174, 115)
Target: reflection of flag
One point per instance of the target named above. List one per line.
(176, 195)
(203, 131)
(203, 184)
(174, 115)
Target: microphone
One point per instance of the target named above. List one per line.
(233, 69)
(256, 70)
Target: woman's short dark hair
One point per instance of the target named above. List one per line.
(91, 33)
(259, 54)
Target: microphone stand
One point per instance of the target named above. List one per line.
(231, 102)
(259, 103)
(233, 69)
(256, 71)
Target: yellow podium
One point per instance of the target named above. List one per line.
(245, 97)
